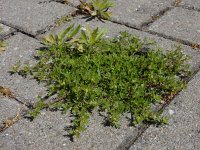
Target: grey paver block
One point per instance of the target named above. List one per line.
(183, 131)
(179, 23)
(8, 107)
(46, 132)
(74, 2)
(113, 29)
(195, 4)
(5, 30)
(137, 12)
(20, 47)
(31, 16)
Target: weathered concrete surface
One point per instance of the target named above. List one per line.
(179, 23)
(183, 131)
(31, 16)
(137, 12)
(114, 29)
(8, 108)
(46, 132)
(194, 4)
(5, 30)
(75, 3)
(20, 47)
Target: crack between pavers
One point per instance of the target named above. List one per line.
(144, 28)
(5, 36)
(130, 141)
(189, 7)
(39, 32)
(58, 1)
(64, 2)
(155, 17)
(181, 41)
(18, 29)
(184, 42)
(10, 121)
(113, 20)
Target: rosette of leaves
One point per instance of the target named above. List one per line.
(96, 8)
(112, 75)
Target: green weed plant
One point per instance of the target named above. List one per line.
(96, 8)
(117, 76)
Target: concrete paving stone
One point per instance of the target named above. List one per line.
(20, 47)
(5, 30)
(46, 132)
(74, 2)
(137, 12)
(183, 131)
(195, 4)
(179, 23)
(31, 16)
(113, 29)
(8, 107)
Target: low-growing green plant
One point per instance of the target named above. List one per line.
(117, 75)
(62, 20)
(96, 8)
(64, 36)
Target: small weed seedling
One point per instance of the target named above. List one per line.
(62, 20)
(115, 75)
(96, 8)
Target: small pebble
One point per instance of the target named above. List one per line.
(171, 112)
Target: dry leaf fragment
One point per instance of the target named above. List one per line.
(6, 92)
(9, 122)
(177, 2)
(86, 8)
(196, 46)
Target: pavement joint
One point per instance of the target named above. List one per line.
(11, 120)
(189, 7)
(155, 17)
(171, 38)
(185, 42)
(17, 29)
(4, 37)
(66, 3)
